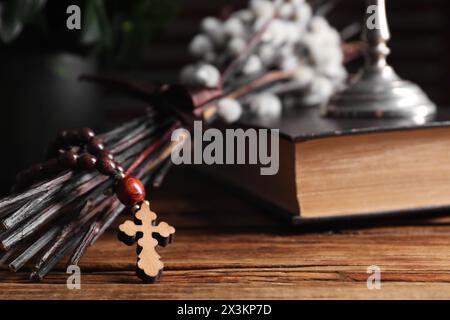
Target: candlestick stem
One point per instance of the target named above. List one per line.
(378, 92)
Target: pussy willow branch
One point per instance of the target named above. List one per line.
(252, 44)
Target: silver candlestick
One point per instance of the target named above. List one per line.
(378, 92)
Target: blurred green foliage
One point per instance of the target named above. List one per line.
(15, 14)
(117, 31)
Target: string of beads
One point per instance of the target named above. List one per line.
(81, 150)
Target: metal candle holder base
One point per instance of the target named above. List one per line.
(378, 92)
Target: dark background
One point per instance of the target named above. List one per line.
(40, 94)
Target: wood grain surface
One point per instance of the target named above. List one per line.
(226, 248)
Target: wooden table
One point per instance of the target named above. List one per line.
(227, 248)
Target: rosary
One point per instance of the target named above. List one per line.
(81, 150)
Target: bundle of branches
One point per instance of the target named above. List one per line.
(69, 210)
(65, 212)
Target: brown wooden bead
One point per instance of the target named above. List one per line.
(68, 159)
(95, 146)
(106, 166)
(86, 134)
(87, 161)
(130, 191)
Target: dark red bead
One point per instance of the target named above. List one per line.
(95, 146)
(87, 161)
(68, 159)
(106, 166)
(130, 191)
(105, 154)
(86, 134)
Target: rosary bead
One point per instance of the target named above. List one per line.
(130, 191)
(106, 166)
(68, 159)
(87, 161)
(86, 134)
(106, 154)
(95, 146)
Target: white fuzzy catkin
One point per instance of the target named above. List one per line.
(321, 90)
(302, 14)
(304, 76)
(245, 15)
(291, 33)
(200, 45)
(234, 27)
(266, 105)
(286, 10)
(295, 41)
(289, 63)
(262, 8)
(213, 27)
(275, 33)
(267, 54)
(253, 65)
(236, 46)
(229, 110)
(207, 75)
(187, 74)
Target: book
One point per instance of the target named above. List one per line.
(339, 168)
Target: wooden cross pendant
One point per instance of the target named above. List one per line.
(148, 235)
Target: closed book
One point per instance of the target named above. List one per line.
(340, 168)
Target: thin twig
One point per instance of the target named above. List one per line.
(110, 217)
(39, 274)
(36, 189)
(146, 153)
(254, 41)
(34, 248)
(161, 173)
